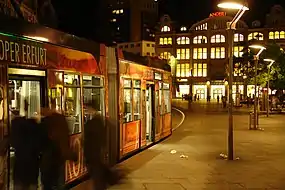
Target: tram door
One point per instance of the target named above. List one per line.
(26, 96)
(149, 98)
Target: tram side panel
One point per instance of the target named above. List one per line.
(3, 126)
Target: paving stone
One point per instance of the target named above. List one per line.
(164, 186)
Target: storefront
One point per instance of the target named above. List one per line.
(200, 91)
(145, 106)
(35, 74)
(183, 89)
(217, 91)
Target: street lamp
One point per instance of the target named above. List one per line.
(231, 26)
(271, 61)
(256, 59)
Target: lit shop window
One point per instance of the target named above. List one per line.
(183, 28)
(256, 36)
(202, 27)
(238, 51)
(183, 40)
(165, 41)
(218, 53)
(132, 99)
(238, 38)
(165, 55)
(183, 53)
(183, 70)
(276, 35)
(200, 53)
(218, 39)
(200, 70)
(200, 40)
(165, 29)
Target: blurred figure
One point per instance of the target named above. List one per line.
(56, 149)
(26, 140)
(94, 141)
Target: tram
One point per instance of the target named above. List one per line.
(48, 68)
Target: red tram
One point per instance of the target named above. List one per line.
(64, 72)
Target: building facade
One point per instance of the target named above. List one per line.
(133, 20)
(142, 48)
(201, 53)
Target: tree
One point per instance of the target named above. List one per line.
(277, 70)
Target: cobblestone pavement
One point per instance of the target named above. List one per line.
(201, 139)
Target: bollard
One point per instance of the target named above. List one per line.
(251, 120)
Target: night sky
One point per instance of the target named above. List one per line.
(84, 19)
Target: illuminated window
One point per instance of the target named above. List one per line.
(218, 53)
(183, 28)
(200, 70)
(183, 40)
(238, 51)
(200, 53)
(276, 35)
(237, 70)
(178, 70)
(165, 41)
(165, 55)
(169, 41)
(200, 40)
(202, 27)
(183, 53)
(165, 29)
(256, 36)
(238, 38)
(183, 70)
(121, 11)
(218, 38)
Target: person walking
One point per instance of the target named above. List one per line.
(56, 150)
(25, 138)
(94, 141)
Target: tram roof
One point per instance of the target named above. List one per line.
(20, 27)
(154, 62)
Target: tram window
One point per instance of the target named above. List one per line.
(55, 98)
(160, 98)
(166, 96)
(72, 103)
(127, 101)
(24, 97)
(73, 109)
(71, 79)
(93, 96)
(137, 99)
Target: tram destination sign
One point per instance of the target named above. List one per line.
(23, 53)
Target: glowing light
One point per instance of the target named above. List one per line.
(233, 5)
(38, 38)
(268, 60)
(257, 47)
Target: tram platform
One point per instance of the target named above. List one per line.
(190, 158)
(177, 119)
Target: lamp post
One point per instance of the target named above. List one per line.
(256, 59)
(271, 61)
(231, 26)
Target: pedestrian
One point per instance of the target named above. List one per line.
(94, 141)
(218, 99)
(26, 140)
(56, 149)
